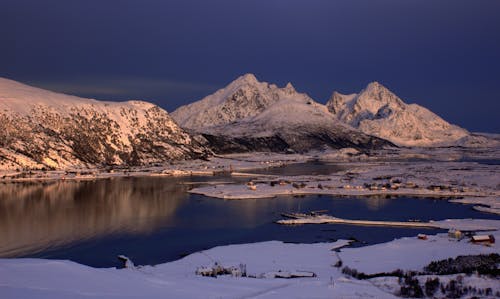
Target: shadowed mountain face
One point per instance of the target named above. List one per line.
(253, 115)
(42, 129)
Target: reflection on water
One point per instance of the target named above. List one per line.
(376, 203)
(37, 216)
(154, 220)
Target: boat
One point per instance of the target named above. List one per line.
(311, 214)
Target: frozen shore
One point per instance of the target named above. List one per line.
(415, 172)
(217, 165)
(464, 182)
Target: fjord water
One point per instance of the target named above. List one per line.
(154, 220)
(314, 167)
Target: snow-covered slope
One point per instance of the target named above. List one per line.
(242, 98)
(379, 112)
(43, 129)
(248, 110)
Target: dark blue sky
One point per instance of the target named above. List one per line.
(444, 54)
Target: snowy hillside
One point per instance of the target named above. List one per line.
(251, 111)
(43, 129)
(379, 112)
(244, 97)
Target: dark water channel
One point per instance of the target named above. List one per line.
(154, 220)
(307, 168)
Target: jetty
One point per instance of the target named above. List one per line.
(299, 218)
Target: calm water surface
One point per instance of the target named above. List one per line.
(154, 220)
(482, 161)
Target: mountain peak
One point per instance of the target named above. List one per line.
(374, 84)
(289, 88)
(242, 99)
(376, 94)
(337, 101)
(376, 87)
(379, 112)
(337, 96)
(355, 108)
(248, 78)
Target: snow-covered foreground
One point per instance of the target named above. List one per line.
(32, 278)
(476, 183)
(411, 253)
(38, 278)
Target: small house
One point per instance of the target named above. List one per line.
(483, 239)
(454, 233)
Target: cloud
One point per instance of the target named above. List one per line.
(123, 87)
(79, 88)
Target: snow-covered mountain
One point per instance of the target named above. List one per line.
(256, 115)
(379, 112)
(44, 129)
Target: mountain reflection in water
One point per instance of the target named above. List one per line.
(154, 219)
(37, 216)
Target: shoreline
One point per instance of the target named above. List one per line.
(217, 165)
(462, 182)
(461, 224)
(268, 262)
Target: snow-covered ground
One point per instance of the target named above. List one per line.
(38, 278)
(411, 253)
(390, 284)
(469, 182)
(32, 278)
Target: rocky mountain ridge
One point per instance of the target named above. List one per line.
(379, 112)
(242, 98)
(248, 111)
(42, 129)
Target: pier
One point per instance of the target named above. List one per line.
(323, 219)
